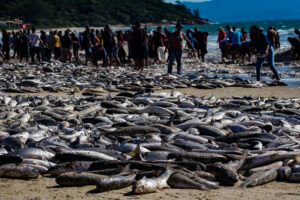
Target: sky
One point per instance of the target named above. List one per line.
(244, 10)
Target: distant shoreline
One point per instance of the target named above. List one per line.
(197, 21)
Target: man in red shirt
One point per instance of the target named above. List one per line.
(221, 35)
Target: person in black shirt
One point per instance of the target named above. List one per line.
(295, 42)
(139, 46)
(86, 44)
(108, 43)
(66, 47)
(24, 44)
(6, 43)
(264, 51)
(201, 42)
(76, 45)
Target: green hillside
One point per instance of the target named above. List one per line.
(62, 13)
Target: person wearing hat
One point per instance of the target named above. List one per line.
(175, 46)
(264, 51)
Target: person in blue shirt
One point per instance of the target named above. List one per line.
(236, 42)
(236, 37)
(225, 41)
(264, 51)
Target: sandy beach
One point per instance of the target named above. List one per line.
(278, 92)
(46, 188)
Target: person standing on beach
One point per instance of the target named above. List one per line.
(244, 35)
(236, 42)
(221, 37)
(24, 44)
(159, 45)
(6, 44)
(201, 44)
(108, 43)
(66, 47)
(176, 45)
(189, 35)
(273, 37)
(264, 51)
(35, 42)
(56, 45)
(138, 45)
(87, 44)
(16, 47)
(76, 45)
(225, 43)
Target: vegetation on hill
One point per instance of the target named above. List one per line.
(62, 13)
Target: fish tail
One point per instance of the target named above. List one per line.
(297, 158)
(136, 151)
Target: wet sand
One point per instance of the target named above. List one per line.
(279, 92)
(46, 188)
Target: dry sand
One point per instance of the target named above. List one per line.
(46, 188)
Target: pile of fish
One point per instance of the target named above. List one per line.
(150, 141)
(70, 78)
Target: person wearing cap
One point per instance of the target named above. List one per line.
(175, 46)
(264, 51)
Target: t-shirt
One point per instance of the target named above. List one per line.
(158, 39)
(262, 42)
(236, 38)
(34, 40)
(75, 42)
(86, 40)
(67, 42)
(56, 41)
(139, 39)
(221, 36)
(108, 39)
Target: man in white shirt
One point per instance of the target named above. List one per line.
(35, 41)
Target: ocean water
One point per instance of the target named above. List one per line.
(285, 29)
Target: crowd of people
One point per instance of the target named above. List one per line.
(235, 43)
(118, 47)
(140, 45)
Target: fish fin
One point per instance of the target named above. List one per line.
(297, 158)
(135, 152)
(163, 144)
(126, 168)
(170, 122)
